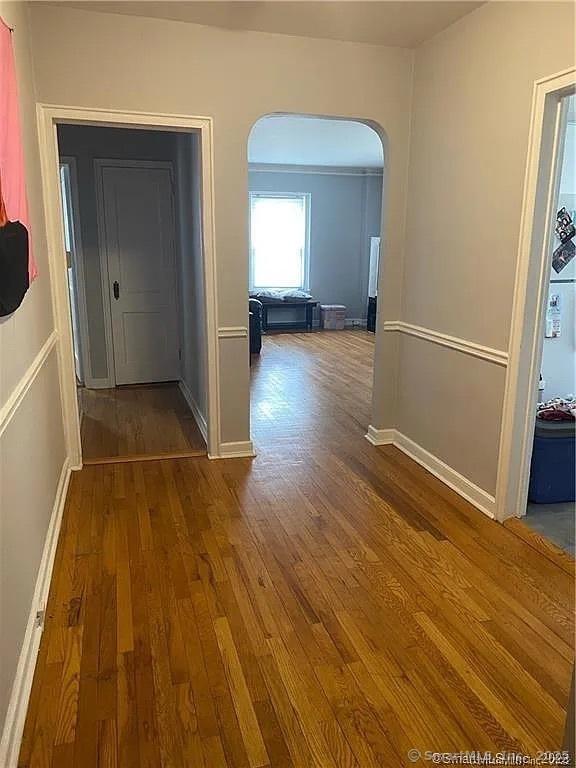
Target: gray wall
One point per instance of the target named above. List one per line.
(86, 144)
(345, 210)
(192, 302)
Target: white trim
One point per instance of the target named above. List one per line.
(480, 351)
(79, 269)
(477, 496)
(20, 694)
(196, 412)
(18, 394)
(380, 436)
(239, 450)
(99, 384)
(530, 293)
(316, 170)
(233, 332)
(48, 117)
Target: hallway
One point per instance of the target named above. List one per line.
(138, 422)
(326, 604)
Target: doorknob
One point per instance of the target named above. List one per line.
(116, 290)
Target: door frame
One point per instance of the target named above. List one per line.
(48, 118)
(79, 271)
(530, 293)
(99, 165)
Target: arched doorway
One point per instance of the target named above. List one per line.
(315, 187)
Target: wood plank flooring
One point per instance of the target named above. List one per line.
(327, 604)
(128, 423)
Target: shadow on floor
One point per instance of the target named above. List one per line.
(554, 521)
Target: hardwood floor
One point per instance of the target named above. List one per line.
(128, 423)
(325, 604)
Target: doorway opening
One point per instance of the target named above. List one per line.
(315, 211)
(131, 206)
(551, 509)
(535, 465)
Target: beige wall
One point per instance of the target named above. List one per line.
(111, 61)
(470, 117)
(31, 440)
(471, 114)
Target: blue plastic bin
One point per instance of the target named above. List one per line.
(553, 469)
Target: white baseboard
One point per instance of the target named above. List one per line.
(240, 450)
(477, 496)
(18, 702)
(106, 383)
(193, 405)
(381, 436)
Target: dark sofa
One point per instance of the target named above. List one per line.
(255, 318)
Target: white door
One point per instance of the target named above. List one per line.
(138, 233)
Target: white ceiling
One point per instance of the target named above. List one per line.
(293, 140)
(404, 23)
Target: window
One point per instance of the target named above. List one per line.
(279, 240)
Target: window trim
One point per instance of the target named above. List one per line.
(307, 197)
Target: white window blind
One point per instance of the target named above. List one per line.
(278, 240)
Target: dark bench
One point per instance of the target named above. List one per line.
(306, 323)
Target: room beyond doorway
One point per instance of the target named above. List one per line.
(133, 234)
(315, 204)
(133, 423)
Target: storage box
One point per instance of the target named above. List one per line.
(332, 317)
(552, 474)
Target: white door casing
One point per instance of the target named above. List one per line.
(138, 260)
(530, 293)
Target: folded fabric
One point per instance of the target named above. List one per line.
(558, 409)
(270, 296)
(297, 295)
(267, 297)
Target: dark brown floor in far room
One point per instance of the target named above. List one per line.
(144, 421)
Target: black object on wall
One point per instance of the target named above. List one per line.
(14, 279)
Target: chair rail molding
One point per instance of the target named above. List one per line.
(233, 332)
(19, 392)
(496, 356)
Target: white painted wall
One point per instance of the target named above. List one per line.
(559, 355)
(32, 451)
(294, 140)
